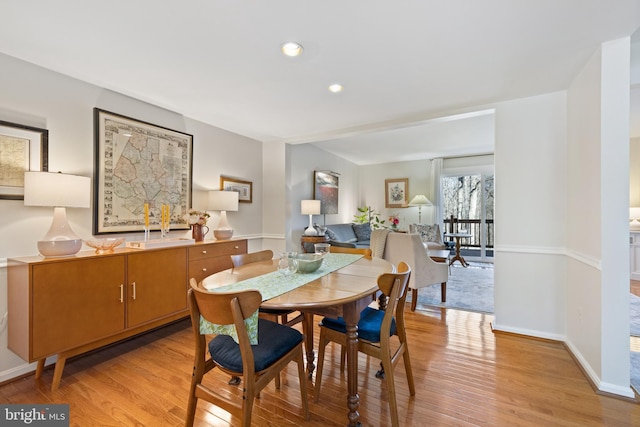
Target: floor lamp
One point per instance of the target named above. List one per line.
(420, 200)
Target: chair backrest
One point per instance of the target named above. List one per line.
(242, 259)
(409, 248)
(362, 251)
(394, 286)
(216, 307)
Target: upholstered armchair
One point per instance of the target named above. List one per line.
(408, 247)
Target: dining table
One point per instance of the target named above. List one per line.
(343, 292)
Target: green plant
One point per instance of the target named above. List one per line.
(368, 215)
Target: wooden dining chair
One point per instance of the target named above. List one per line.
(281, 316)
(278, 345)
(242, 259)
(363, 251)
(375, 329)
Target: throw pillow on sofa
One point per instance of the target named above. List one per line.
(429, 233)
(363, 231)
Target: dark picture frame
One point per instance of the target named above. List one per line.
(244, 188)
(138, 163)
(396, 193)
(326, 189)
(22, 149)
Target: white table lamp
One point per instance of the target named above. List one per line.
(634, 216)
(223, 201)
(310, 207)
(420, 200)
(60, 191)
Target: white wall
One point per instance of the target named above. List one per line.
(598, 276)
(530, 216)
(372, 189)
(37, 97)
(303, 160)
(634, 172)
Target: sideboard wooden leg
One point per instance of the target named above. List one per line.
(40, 367)
(57, 372)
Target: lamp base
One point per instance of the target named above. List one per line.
(310, 231)
(223, 234)
(59, 248)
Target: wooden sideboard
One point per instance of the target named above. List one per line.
(67, 306)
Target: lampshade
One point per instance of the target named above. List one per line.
(634, 216)
(60, 191)
(56, 189)
(420, 200)
(223, 201)
(310, 207)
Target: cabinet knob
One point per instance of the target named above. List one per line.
(121, 293)
(204, 270)
(134, 291)
(237, 247)
(204, 252)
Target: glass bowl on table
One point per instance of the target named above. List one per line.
(104, 246)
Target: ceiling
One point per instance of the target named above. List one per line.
(404, 65)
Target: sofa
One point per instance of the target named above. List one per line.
(349, 235)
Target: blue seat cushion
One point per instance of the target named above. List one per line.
(274, 341)
(368, 326)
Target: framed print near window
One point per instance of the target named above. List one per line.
(325, 189)
(244, 188)
(396, 193)
(138, 164)
(22, 149)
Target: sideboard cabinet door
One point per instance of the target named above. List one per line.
(75, 303)
(156, 285)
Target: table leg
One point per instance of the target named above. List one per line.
(307, 330)
(353, 400)
(457, 256)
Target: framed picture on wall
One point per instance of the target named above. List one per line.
(325, 189)
(396, 193)
(244, 188)
(139, 164)
(22, 149)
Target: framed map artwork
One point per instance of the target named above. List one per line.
(22, 149)
(139, 164)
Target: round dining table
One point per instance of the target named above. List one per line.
(341, 293)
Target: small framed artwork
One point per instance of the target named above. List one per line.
(244, 188)
(142, 175)
(396, 193)
(22, 149)
(325, 189)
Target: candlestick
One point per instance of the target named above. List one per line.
(146, 216)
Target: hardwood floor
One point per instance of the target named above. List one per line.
(465, 376)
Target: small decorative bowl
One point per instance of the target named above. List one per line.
(104, 246)
(308, 263)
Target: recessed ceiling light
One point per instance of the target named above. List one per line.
(335, 88)
(291, 49)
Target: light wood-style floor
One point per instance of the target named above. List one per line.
(465, 376)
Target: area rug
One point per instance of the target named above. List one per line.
(469, 289)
